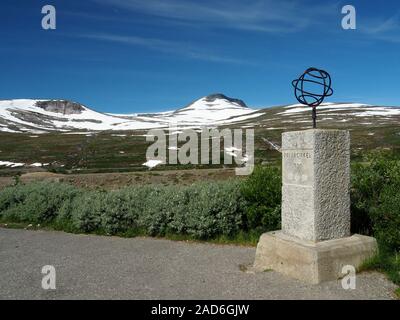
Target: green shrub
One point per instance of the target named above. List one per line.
(115, 213)
(178, 202)
(159, 208)
(36, 202)
(7, 199)
(262, 192)
(386, 218)
(214, 209)
(201, 211)
(368, 180)
(375, 201)
(112, 212)
(86, 211)
(123, 208)
(373, 195)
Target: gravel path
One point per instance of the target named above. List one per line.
(95, 267)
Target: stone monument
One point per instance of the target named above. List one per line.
(315, 241)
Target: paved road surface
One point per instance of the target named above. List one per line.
(95, 267)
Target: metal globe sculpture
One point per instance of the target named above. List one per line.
(311, 88)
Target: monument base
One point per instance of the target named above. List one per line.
(312, 262)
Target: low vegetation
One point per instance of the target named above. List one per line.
(201, 211)
(227, 211)
(375, 199)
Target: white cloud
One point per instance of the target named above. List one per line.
(173, 47)
(385, 29)
(256, 15)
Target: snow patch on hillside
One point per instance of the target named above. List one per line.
(152, 163)
(11, 164)
(296, 108)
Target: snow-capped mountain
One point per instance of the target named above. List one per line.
(37, 116)
(41, 116)
(215, 109)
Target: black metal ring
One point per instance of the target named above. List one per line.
(314, 76)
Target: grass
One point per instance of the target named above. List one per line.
(100, 152)
(386, 262)
(249, 239)
(241, 239)
(397, 293)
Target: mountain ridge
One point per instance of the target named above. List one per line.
(42, 115)
(27, 115)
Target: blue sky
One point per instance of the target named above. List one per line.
(154, 55)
